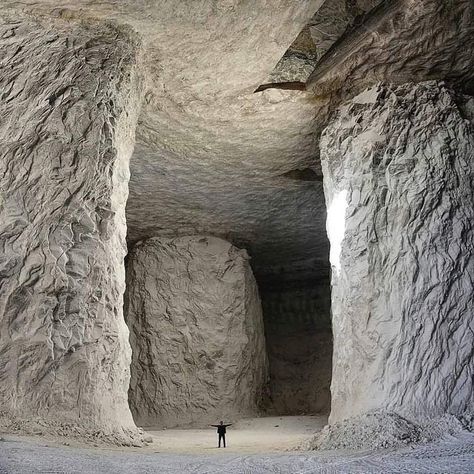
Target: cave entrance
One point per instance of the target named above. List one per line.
(296, 310)
(186, 294)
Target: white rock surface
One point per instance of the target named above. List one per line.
(425, 40)
(454, 455)
(210, 153)
(212, 156)
(198, 346)
(402, 299)
(377, 430)
(70, 99)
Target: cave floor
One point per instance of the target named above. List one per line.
(255, 446)
(253, 435)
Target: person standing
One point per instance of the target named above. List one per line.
(221, 430)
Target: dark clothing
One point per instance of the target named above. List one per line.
(221, 430)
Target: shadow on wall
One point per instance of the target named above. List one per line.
(299, 346)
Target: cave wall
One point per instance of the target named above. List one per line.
(70, 96)
(398, 174)
(299, 343)
(197, 335)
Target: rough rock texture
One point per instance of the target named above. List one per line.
(328, 24)
(451, 455)
(378, 430)
(333, 19)
(69, 105)
(212, 156)
(299, 343)
(210, 153)
(267, 220)
(399, 184)
(423, 40)
(196, 332)
(368, 431)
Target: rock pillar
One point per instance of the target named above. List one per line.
(197, 337)
(70, 98)
(399, 181)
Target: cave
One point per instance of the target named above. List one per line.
(239, 330)
(227, 210)
(279, 221)
(298, 334)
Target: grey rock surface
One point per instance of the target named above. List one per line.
(70, 97)
(380, 429)
(328, 24)
(333, 18)
(210, 153)
(399, 181)
(212, 156)
(424, 40)
(300, 371)
(198, 346)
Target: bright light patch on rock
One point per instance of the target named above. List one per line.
(336, 226)
(402, 319)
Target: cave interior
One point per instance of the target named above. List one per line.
(271, 204)
(289, 185)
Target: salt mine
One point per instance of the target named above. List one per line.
(259, 212)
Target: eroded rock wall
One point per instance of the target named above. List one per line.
(70, 98)
(412, 40)
(197, 337)
(398, 173)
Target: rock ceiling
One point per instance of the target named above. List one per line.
(211, 155)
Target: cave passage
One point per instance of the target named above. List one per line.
(213, 338)
(299, 344)
(298, 335)
(137, 128)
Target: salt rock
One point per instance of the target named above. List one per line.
(399, 183)
(198, 346)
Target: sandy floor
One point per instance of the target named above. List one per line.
(256, 435)
(256, 446)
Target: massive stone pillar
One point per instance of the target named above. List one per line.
(68, 108)
(399, 180)
(198, 348)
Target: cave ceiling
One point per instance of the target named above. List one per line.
(214, 157)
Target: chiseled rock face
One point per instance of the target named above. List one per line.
(420, 40)
(198, 347)
(399, 177)
(70, 97)
(333, 18)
